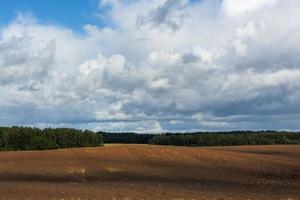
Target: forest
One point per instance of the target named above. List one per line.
(126, 138)
(24, 138)
(227, 138)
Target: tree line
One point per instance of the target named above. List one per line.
(25, 138)
(227, 138)
(126, 138)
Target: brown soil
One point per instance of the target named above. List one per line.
(152, 172)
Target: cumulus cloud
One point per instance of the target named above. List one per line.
(234, 8)
(23, 63)
(165, 65)
(168, 15)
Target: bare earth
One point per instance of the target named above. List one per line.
(152, 172)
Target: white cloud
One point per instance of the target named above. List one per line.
(160, 84)
(238, 7)
(24, 62)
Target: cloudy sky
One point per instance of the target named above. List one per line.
(150, 65)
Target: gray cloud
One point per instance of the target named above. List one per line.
(169, 15)
(22, 64)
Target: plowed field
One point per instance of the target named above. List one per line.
(152, 172)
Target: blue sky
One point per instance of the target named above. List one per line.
(150, 65)
(70, 13)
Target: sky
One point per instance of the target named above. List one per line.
(72, 14)
(150, 65)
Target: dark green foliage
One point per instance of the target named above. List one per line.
(41, 143)
(227, 138)
(22, 138)
(126, 138)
